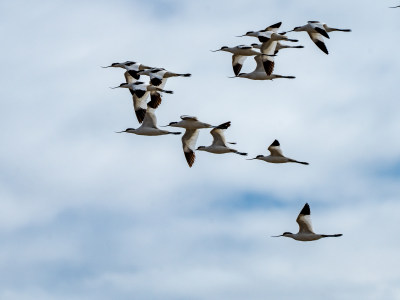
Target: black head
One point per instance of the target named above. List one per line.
(224, 47)
(287, 233)
(241, 74)
(254, 44)
(139, 82)
(172, 123)
(296, 28)
(259, 156)
(114, 64)
(249, 32)
(129, 129)
(200, 147)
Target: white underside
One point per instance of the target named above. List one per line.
(307, 237)
(275, 159)
(149, 131)
(218, 150)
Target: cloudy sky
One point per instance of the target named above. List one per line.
(90, 214)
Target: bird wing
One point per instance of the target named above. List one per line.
(139, 105)
(189, 118)
(260, 63)
(237, 63)
(268, 61)
(150, 119)
(274, 27)
(304, 220)
(189, 140)
(318, 40)
(218, 134)
(244, 47)
(275, 149)
(128, 77)
(319, 27)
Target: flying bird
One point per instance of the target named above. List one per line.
(259, 72)
(306, 232)
(218, 145)
(132, 68)
(159, 76)
(317, 31)
(189, 139)
(149, 125)
(276, 156)
(142, 91)
(240, 53)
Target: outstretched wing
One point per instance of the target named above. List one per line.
(268, 61)
(191, 118)
(237, 63)
(319, 41)
(275, 149)
(304, 220)
(150, 119)
(218, 134)
(319, 27)
(189, 140)
(274, 27)
(139, 105)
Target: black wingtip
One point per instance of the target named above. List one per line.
(277, 25)
(275, 143)
(176, 133)
(242, 153)
(224, 125)
(306, 210)
(322, 46)
(190, 157)
(269, 67)
(237, 68)
(155, 100)
(140, 113)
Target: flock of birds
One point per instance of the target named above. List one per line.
(263, 53)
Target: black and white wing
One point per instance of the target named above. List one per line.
(268, 61)
(275, 149)
(304, 220)
(218, 134)
(318, 40)
(274, 27)
(189, 118)
(139, 105)
(319, 27)
(237, 63)
(189, 140)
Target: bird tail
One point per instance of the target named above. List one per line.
(331, 235)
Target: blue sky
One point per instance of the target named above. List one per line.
(90, 214)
